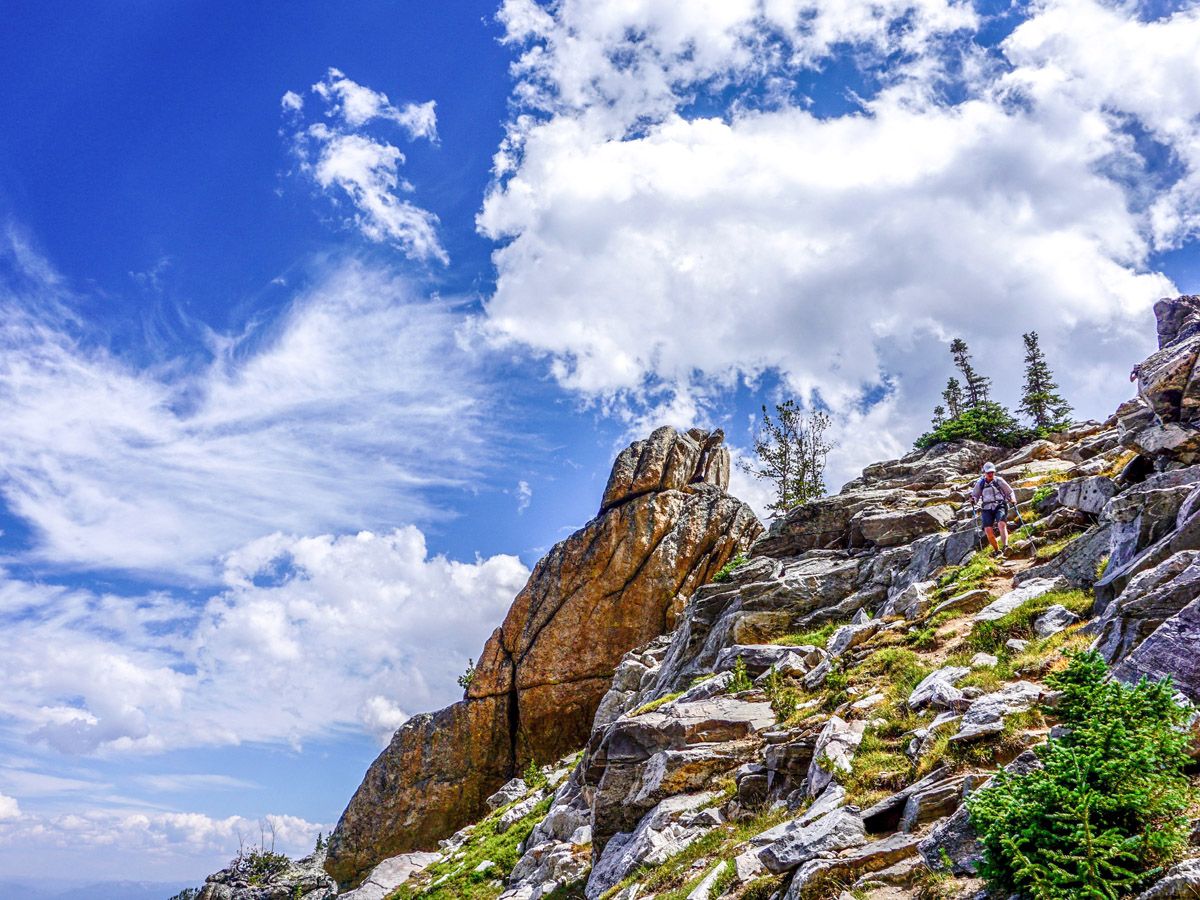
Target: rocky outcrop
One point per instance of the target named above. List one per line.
(666, 526)
(302, 879)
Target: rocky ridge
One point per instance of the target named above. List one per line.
(812, 724)
(666, 525)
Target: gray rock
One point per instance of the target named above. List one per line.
(838, 830)
(986, 660)
(1169, 652)
(757, 657)
(1016, 645)
(945, 696)
(913, 602)
(304, 877)
(1149, 599)
(1018, 597)
(1181, 881)
(833, 753)
(987, 714)
(933, 801)
(512, 791)
(849, 636)
(390, 874)
(1087, 495)
(964, 603)
(1056, 618)
(854, 862)
(888, 529)
(1078, 561)
(707, 689)
(658, 835)
(923, 692)
(886, 815)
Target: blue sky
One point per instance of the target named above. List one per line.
(319, 328)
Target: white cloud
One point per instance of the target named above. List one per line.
(524, 496)
(840, 252)
(312, 636)
(291, 101)
(9, 808)
(346, 162)
(322, 419)
(146, 843)
(357, 105)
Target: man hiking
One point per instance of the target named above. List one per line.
(993, 494)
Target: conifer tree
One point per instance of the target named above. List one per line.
(953, 396)
(791, 452)
(939, 416)
(978, 387)
(1040, 399)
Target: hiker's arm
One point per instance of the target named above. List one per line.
(1009, 492)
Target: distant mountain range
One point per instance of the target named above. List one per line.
(57, 889)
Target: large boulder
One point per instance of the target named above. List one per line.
(1170, 652)
(1168, 380)
(667, 526)
(893, 527)
(1149, 599)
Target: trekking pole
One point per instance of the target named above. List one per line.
(978, 527)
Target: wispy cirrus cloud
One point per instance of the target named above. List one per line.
(349, 164)
(322, 418)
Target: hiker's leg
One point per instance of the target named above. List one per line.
(991, 536)
(1003, 534)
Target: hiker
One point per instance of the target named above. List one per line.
(993, 494)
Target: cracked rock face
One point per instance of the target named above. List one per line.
(666, 526)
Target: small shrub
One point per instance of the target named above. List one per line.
(534, 777)
(741, 678)
(259, 866)
(1051, 550)
(783, 699)
(465, 679)
(187, 894)
(1046, 490)
(728, 569)
(1102, 566)
(988, 422)
(1106, 812)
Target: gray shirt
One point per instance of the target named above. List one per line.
(992, 493)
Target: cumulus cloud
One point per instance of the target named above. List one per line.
(341, 158)
(977, 192)
(147, 842)
(320, 419)
(311, 636)
(9, 808)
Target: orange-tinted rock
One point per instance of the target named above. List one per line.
(665, 527)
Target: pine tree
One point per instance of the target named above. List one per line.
(978, 387)
(791, 451)
(1040, 399)
(953, 396)
(939, 416)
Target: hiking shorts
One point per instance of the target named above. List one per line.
(992, 516)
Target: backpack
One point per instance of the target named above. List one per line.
(997, 499)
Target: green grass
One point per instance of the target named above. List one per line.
(991, 636)
(895, 670)
(1051, 550)
(817, 637)
(960, 579)
(729, 568)
(655, 704)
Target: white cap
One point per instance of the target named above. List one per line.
(989, 467)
